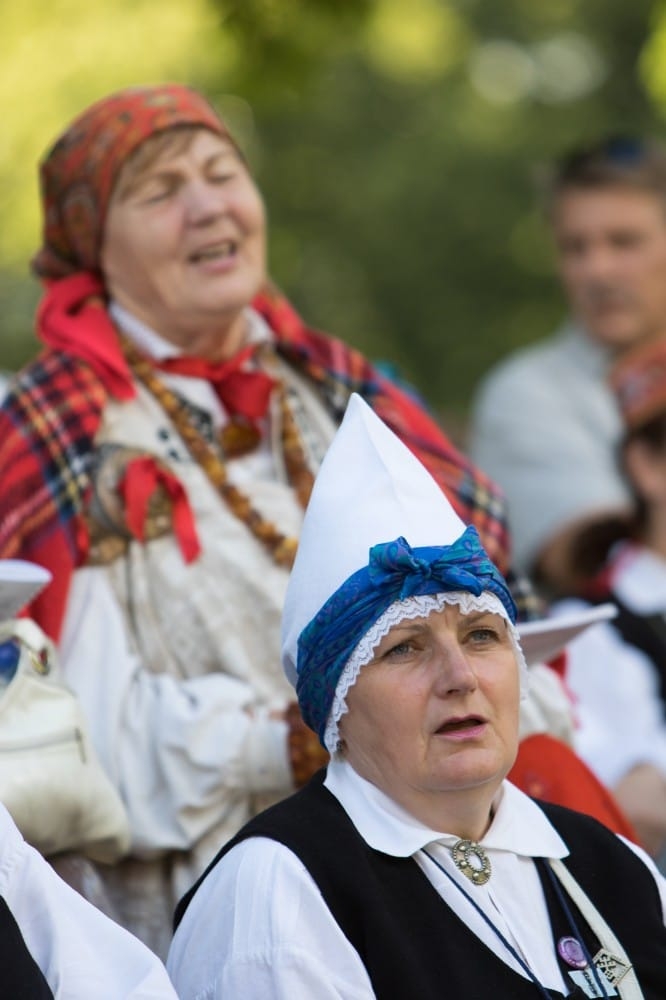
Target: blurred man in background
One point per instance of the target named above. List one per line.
(545, 425)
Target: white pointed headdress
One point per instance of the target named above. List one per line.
(371, 493)
(380, 543)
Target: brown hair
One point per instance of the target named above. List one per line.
(590, 550)
(617, 160)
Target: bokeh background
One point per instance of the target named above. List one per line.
(400, 144)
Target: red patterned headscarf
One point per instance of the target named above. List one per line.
(638, 380)
(78, 173)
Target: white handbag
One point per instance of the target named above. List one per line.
(51, 780)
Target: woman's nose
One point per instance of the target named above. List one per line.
(205, 201)
(454, 672)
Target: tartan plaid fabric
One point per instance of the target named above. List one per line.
(47, 428)
(48, 425)
(50, 418)
(340, 370)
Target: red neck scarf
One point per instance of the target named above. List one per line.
(242, 393)
(72, 317)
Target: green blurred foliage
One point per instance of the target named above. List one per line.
(400, 145)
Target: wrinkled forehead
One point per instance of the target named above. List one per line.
(442, 619)
(452, 615)
(159, 151)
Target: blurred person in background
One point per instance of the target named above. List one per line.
(157, 457)
(617, 672)
(545, 425)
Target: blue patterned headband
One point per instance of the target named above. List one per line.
(394, 572)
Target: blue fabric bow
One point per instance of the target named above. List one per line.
(457, 567)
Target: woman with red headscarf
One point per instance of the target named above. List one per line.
(157, 457)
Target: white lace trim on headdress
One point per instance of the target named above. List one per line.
(412, 607)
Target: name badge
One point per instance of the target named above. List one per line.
(590, 985)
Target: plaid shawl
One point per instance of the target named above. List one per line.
(50, 418)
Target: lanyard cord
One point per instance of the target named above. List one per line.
(509, 947)
(572, 923)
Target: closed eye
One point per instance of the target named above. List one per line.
(158, 190)
(221, 178)
(154, 198)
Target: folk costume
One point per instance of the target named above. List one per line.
(167, 498)
(339, 892)
(392, 923)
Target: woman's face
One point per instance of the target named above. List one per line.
(435, 713)
(184, 245)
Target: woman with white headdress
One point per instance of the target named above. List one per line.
(411, 867)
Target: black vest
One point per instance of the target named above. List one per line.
(413, 944)
(20, 976)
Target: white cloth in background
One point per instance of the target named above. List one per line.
(82, 954)
(177, 667)
(620, 715)
(545, 427)
(258, 927)
(547, 706)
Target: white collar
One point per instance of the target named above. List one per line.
(519, 825)
(149, 341)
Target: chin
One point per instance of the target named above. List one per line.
(471, 777)
(616, 334)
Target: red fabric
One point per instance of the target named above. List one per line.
(638, 380)
(78, 173)
(72, 317)
(62, 558)
(548, 769)
(142, 477)
(242, 393)
(559, 664)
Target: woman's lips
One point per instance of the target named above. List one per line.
(216, 258)
(462, 728)
(215, 251)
